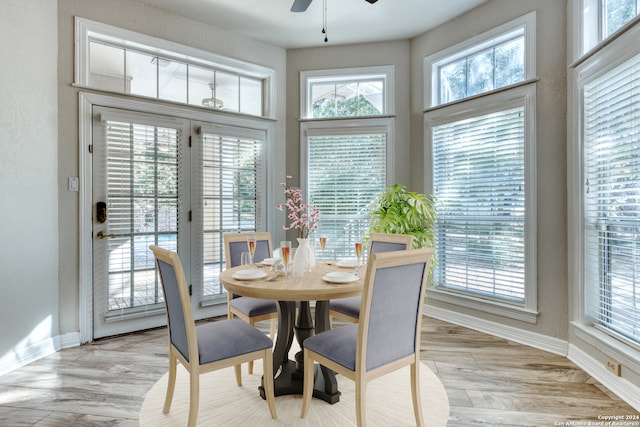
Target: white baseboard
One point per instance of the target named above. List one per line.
(19, 357)
(618, 385)
(531, 339)
(621, 387)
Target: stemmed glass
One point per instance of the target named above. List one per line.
(358, 255)
(323, 243)
(251, 244)
(285, 250)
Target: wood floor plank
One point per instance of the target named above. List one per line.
(490, 381)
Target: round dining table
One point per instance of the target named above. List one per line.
(291, 293)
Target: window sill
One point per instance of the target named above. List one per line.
(484, 305)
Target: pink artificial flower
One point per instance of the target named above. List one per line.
(298, 211)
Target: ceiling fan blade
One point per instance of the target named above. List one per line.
(301, 5)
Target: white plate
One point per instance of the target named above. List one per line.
(269, 261)
(347, 263)
(340, 277)
(250, 274)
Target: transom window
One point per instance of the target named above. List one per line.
(602, 18)
(491, 61)
(117, 60)
(346, 93)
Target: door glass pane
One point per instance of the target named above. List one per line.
(231, 198)
(142, 192)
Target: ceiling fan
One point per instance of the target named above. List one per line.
(302, 5)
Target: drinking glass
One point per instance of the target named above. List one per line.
(358, 255)
(246, 259)
(323, 243)
(285, 251)
(251, 244)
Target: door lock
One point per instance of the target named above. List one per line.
(101, 212)
(103, 235)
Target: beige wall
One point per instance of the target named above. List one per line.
(550, 144)
(28, 180)
(154, 22)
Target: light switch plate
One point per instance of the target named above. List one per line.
(74, 183)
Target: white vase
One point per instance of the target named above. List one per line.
(304, 259)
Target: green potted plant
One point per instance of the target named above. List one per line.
(400, 211)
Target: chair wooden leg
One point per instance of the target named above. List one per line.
(250, 364)
(307, 391)
(415, 393)
(171, 384)
(361, 410)
(272, 331)
(238, 372)
(194, 396)
(267, 371)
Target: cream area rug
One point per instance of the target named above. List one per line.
(223, 403)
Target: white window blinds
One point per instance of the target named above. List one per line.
(611, 127)
(345, 172)
(231, 193)
(479, 180)
(142, 175)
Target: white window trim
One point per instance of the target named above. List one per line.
(340, 127)
(521, 95)
(482, 41)
(87, 30)
(386, 72)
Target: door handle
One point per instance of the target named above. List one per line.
(103, 235)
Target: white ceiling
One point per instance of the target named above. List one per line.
(348, 21)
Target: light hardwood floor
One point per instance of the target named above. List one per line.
(490, 382)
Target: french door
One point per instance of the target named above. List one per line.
(174, 182)
(140, 192)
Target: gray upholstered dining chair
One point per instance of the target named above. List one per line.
(209, 346)
(348, 309)
(251, 310)
(387, 335)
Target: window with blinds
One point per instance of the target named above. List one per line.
(231, 191)
(611, 132)
(479, 180)
(345, 172)
(142, 192)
